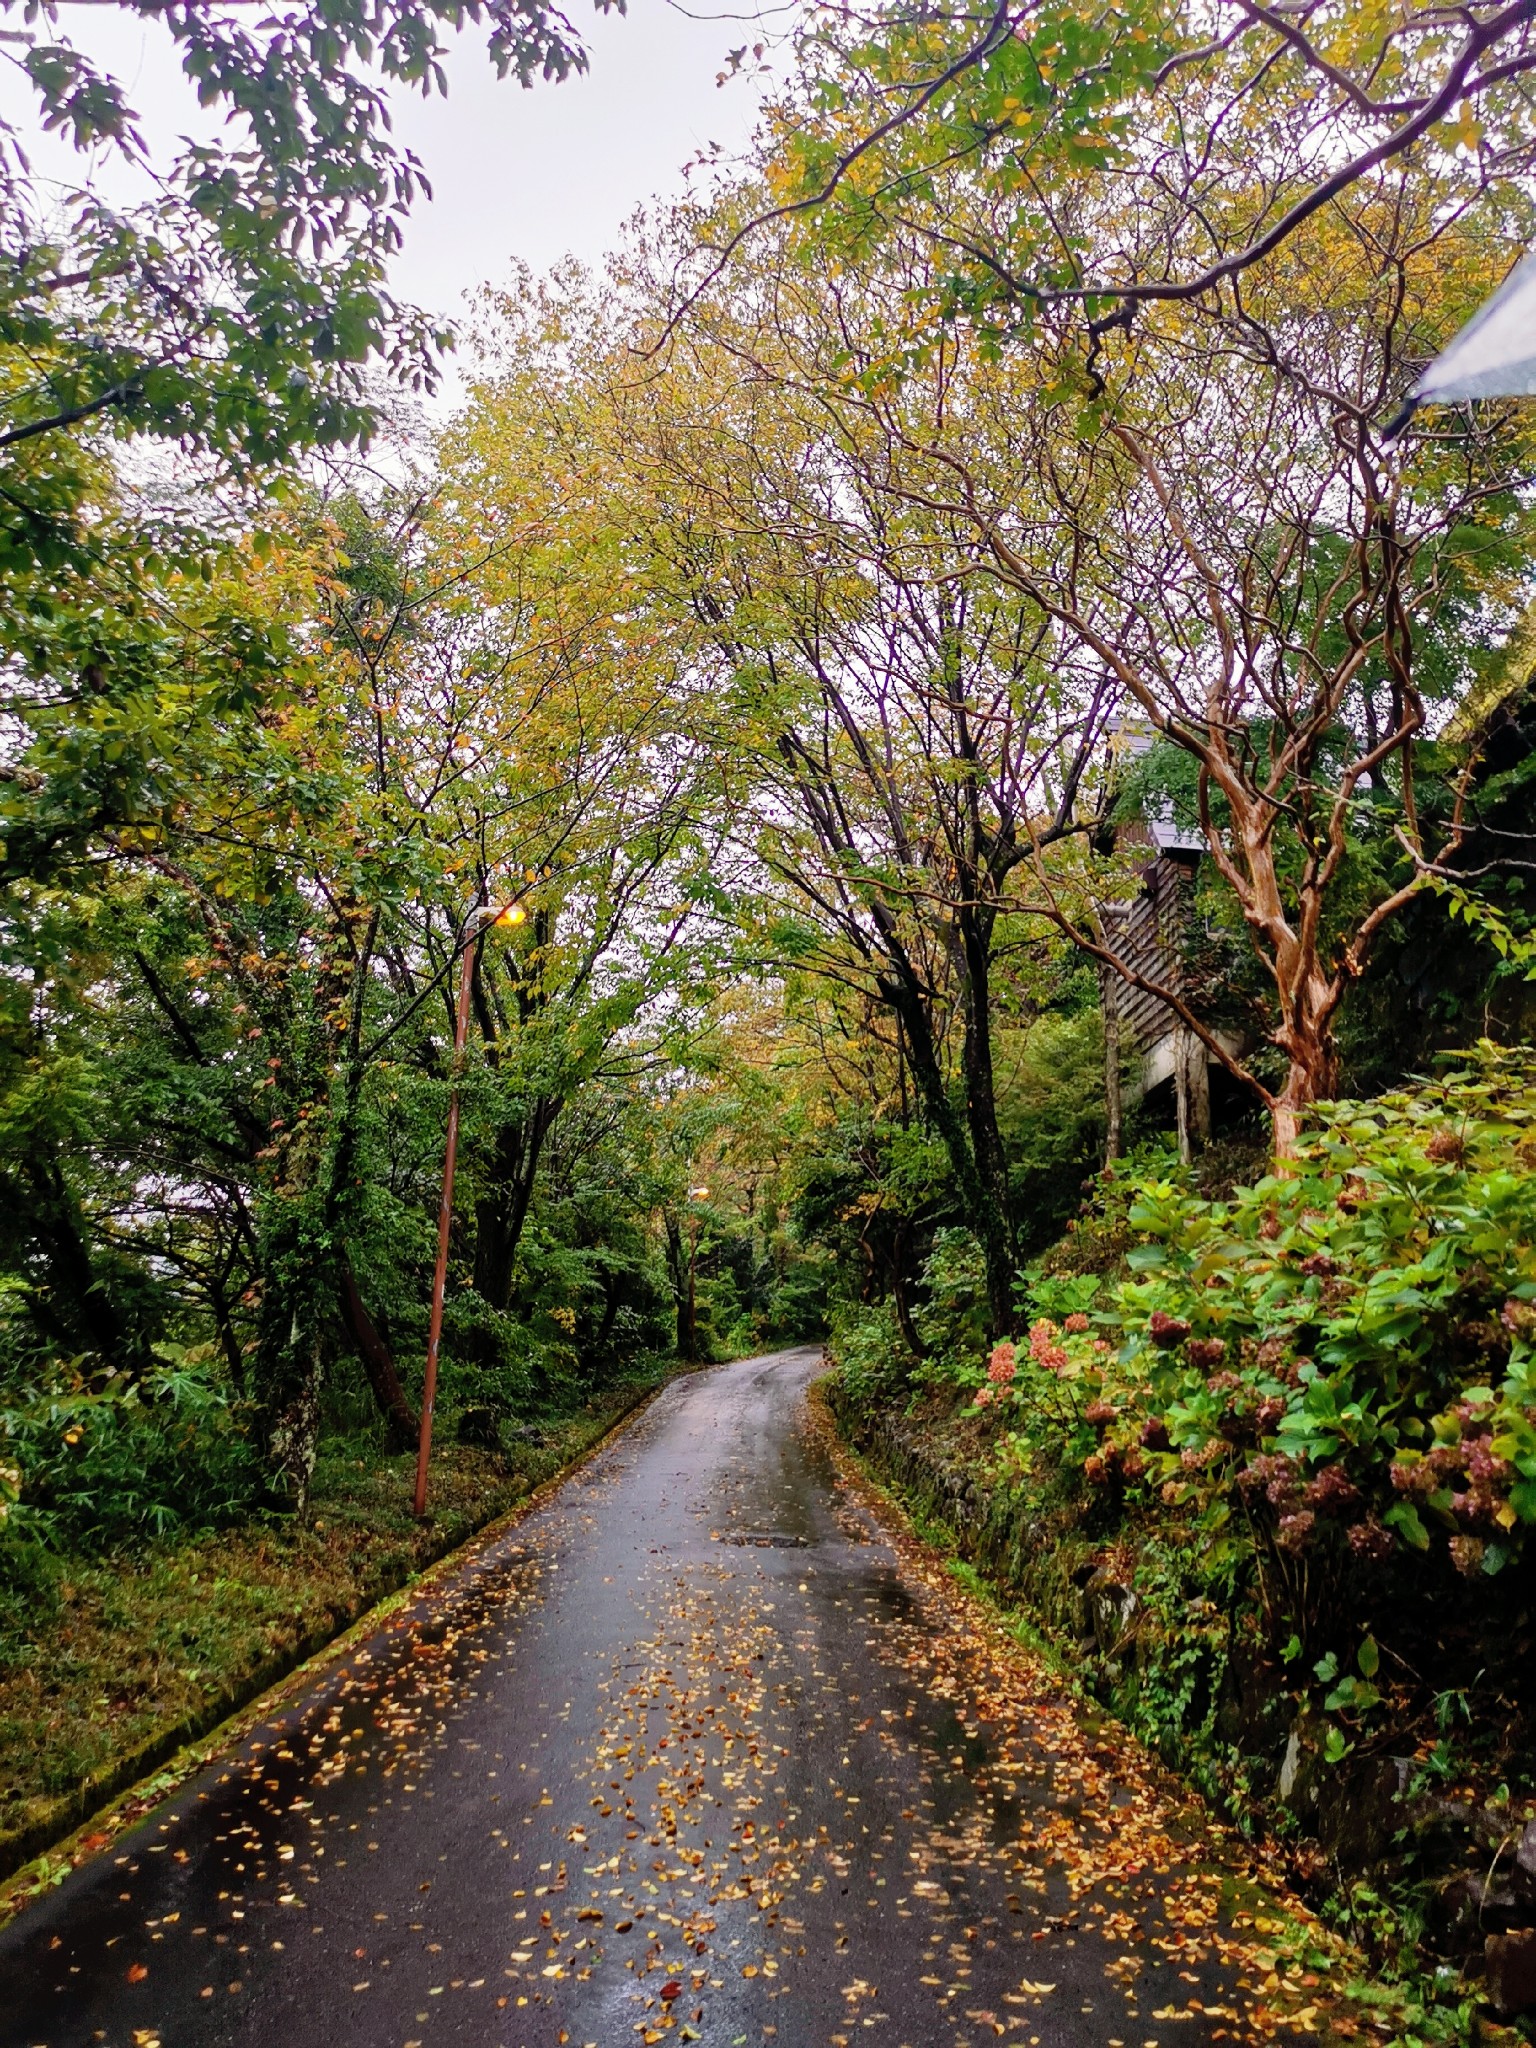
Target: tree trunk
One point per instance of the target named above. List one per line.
(378, 1362)
(502, 1211)
(993, 1223)
(677, 1271)
(308, 1202)
(1307, 1082)
(1114, 1106)
(1197, 1088)
(692, 1352)
(613, 1287)
(1192, 1091)
(1285, 1120)
(293, 1374)
(899, 1295)
(869, 1286)
(1306, 1038)
(77, 1305)
(906, 1000)
(229, 1339)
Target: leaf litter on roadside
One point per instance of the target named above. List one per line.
(783, 1756)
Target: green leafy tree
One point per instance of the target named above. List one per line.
(233, 311)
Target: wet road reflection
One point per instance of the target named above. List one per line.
(697, 1750)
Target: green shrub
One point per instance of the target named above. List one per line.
(866, 1346)
(1342, 1356)
(493, 1358)
(168, 1453)
(796, 1307)
(1057, 1295)
(29, 1592)
(1051, 1107)
(952, 1321)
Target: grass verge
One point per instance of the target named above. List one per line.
(120, 1662)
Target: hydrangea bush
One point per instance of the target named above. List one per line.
(1344, 1355)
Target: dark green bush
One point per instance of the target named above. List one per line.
(866, 1346)
(796, 1307)
(493, 1358)
(166, 1454)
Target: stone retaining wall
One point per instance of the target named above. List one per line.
(1469, 1869)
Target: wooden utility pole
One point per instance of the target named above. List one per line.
(1191, 1090)
(1114, 1106)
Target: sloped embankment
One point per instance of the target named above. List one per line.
(1405, 1844)
(130, 1659)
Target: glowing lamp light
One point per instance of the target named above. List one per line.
(513, 914)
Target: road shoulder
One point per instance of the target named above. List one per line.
(64, 1830)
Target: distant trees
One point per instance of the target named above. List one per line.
(904, 748)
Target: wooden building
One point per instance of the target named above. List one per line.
(1150, 934)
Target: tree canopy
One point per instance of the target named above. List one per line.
(809, 627)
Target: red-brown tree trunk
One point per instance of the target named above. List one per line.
(1312, 1075)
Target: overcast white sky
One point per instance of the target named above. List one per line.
(532, 175)
(559, 168)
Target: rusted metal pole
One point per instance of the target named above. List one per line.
(444, 1224)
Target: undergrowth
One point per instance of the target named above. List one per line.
(1263, 1461)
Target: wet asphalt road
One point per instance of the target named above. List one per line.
(695, 1751)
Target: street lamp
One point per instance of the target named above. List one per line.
(474, 925)
(1494, 355)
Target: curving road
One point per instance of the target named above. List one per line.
(697, 1751)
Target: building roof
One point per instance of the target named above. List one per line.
(1168, 835)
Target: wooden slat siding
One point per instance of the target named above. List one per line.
(1146, 935)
